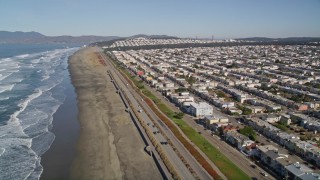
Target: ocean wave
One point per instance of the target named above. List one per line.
(23, 56)
(18, 160)
(5, 59)
(37, 94)
(47, 74)
(2, 77)
(4, 88)
(45, 77)
(36, 61)
(10, 64)
(8, 73)
(24, 104)
(2, 150)
(4, 98)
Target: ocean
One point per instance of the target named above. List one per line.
(31, 91)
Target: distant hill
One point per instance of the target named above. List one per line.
(288, 39)
(7, 37)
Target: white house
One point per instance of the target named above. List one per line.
(200, 109)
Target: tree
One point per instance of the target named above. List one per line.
(180, 90)
(140, 84)
(178, 115)
(220, 94)
(249, 132)
(281, 126)
(191, 80)
(195, 66)
(245, 110)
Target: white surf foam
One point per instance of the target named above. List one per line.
(2, 150)
(36, 61)
(45, 77)
(24, 104)
(4, 98)
(7, 87)
(2, 77)
(23, 56)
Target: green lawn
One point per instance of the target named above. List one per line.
(151, 96)
(228, 168)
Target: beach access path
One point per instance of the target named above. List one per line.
(109, 146)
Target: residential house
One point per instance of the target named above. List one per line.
(238, 140)
(200, 109)
(271, 118)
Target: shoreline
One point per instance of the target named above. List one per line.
(57, 160)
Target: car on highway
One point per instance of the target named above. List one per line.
(263, 174)
(140, 110)
(253, 166)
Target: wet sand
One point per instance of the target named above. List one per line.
(109, 146)
(57, 160)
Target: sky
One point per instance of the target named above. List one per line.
(182, 18)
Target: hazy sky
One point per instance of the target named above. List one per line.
(183, 18)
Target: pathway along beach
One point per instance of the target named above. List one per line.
(109, 146)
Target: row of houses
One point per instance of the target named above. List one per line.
(290, 141)
(267, 155)
(282, 164)
(301, 87)
(299, 92)
(188, 105)
(266, 104)
(307, 122)
(238, 95)
(275, 98)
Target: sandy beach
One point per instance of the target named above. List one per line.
(109, 146)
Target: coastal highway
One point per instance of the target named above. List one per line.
(180, 167)
(169, 135)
